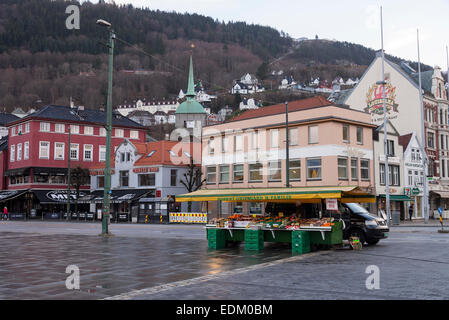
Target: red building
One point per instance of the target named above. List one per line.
(37, 158)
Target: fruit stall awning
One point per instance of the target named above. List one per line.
(303, 194)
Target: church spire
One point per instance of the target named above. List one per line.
(191, 86)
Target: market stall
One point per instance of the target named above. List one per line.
(298, 229)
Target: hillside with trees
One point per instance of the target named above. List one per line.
(43, 62)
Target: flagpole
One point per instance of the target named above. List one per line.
(425, 203)
(383, 83)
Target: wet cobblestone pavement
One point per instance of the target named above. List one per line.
(173, 262)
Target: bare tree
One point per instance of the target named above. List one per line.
(192, 180)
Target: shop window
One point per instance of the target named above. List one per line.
(274, 171)
(314, 168)
(211, 174)
(147, 179)
(173, 177)
(255, 172)
(124, 178)
(255, 208)
(342, 168)
(364, 169)
(224, 174)
(40, 178)
(237, 207)
(294, 169)
(237, 174)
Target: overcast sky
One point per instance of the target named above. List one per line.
(356, 21)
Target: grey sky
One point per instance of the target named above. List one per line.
(356, 21)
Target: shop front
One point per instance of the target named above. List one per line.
(398, 204)
(52, 204)
(16, 209)
(157, 210)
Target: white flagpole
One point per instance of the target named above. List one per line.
(383, 82)
(425, 201)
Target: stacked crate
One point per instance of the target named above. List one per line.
(216, 238)
(300, 241)
(254, 240)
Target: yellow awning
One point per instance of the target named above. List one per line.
(303, 194)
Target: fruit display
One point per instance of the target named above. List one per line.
(268, 222)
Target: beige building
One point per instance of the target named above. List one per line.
(329, 145)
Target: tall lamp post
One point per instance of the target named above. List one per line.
(107, 170)
(287, 151)
(68, 175)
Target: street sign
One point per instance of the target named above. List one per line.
(415, 191)
(440, 210)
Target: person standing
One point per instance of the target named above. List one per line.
(410, 211)
(5, 213)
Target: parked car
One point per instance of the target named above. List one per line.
(359, 222)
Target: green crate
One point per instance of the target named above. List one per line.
(216, 244)
(216, 234)
(253, 247)
(331, 238)
(299, 249)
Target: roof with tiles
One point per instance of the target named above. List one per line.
(317, 101)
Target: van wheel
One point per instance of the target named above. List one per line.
(372, 242)
(357, 233)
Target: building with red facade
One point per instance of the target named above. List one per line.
(38, 154)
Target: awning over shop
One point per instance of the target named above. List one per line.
(394, 197)
(303, 194)
(48, 171)
(56, 196)
(117, 196)
(9, 195)
(442, 194)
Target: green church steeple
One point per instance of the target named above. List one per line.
(191, 85)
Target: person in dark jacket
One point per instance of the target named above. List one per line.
(410, 211)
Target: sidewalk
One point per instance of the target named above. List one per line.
(421, 223)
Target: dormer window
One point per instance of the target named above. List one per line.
(151, 153)
(188, 155)
(172, 153)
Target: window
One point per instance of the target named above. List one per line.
(313, 134)
(134, 134)
(390, 148)
(294, 169)
(293, 136)
(430, 140)
(314, 168)
(59, 128)
(410, 178)
(255, 172)
(119, 133)
(147, 179)
(173, 177)
(443, 164)
(74, 151)
(345, 133)
(45, 127)
(44, 150)
(74, 129)
(238, 143)
(103, 132)
(360, 135)
(124, 178)
(102, 153)
(394, 175)
(19, 152)
(122, 157)
(441, 141)
(237, 174)
(12, 156)
(382, 173)
(27, 127)
(354, 169)
(59, 151)
(342, 168)
(100, 181)
(254, 140)
(224, 174)
(26, 150)
(211, 174)
(224, 144)
(211, 145)
(238, 207)
(13, 131)
(274, 138)
(19, 129)
(89, 131)
(274, 171)
(364, 169)
(88, 152)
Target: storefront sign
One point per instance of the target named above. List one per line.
(144, 170)
(61, 196)
(255, 198)
(331, 204)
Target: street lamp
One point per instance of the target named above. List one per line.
(107, 170)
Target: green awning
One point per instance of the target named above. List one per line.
(394, 197)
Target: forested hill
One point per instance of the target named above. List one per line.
(43, 62)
